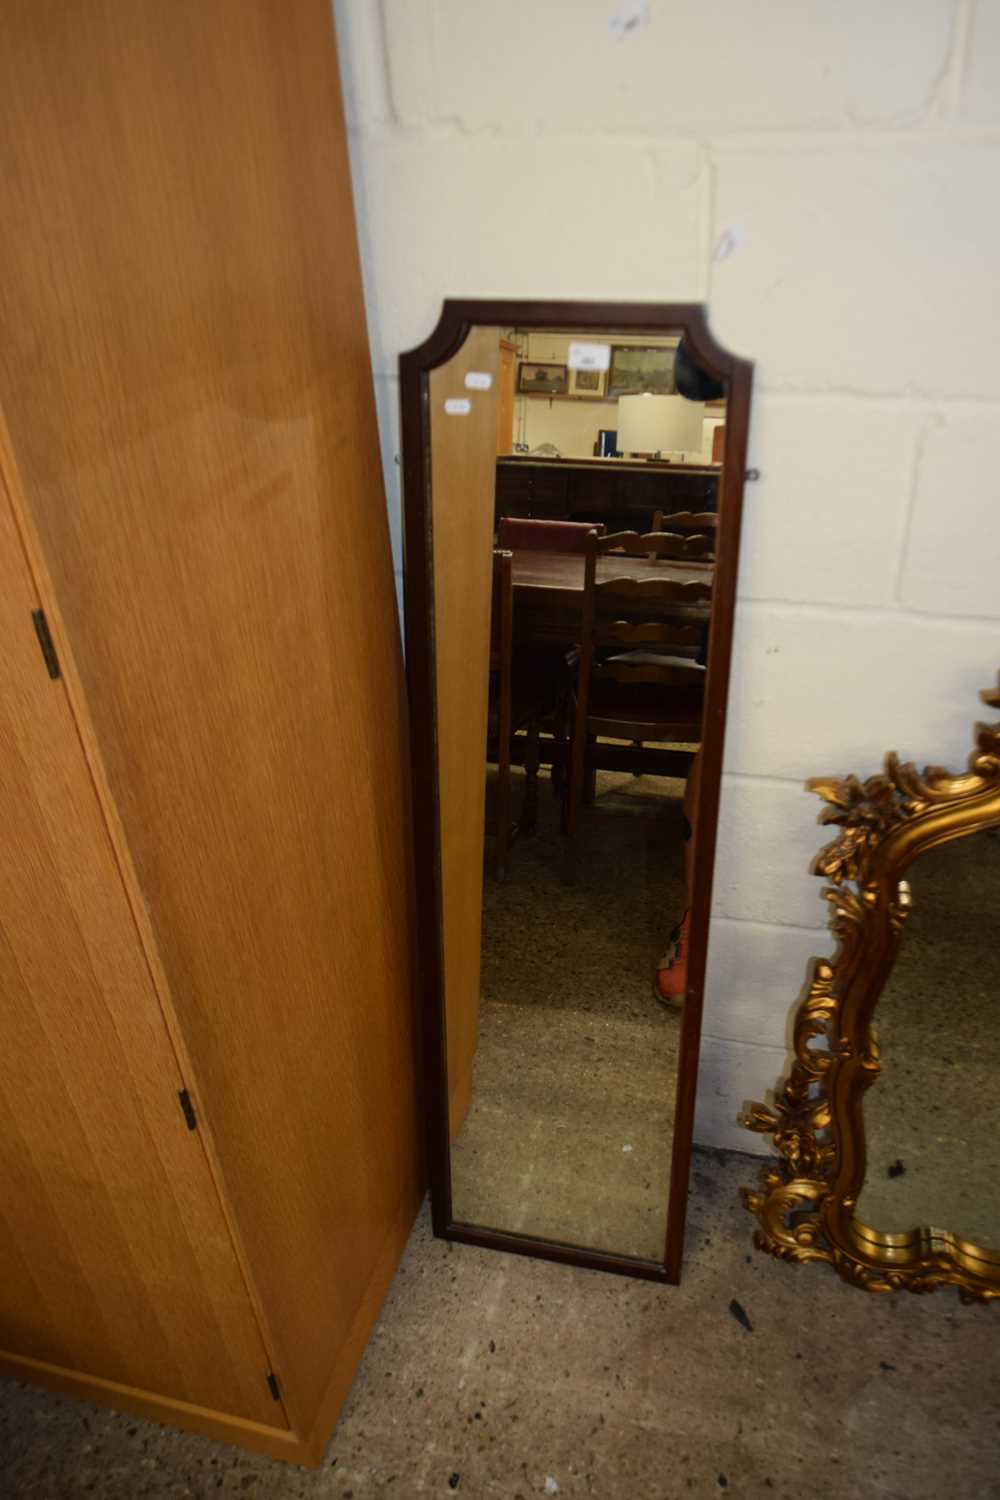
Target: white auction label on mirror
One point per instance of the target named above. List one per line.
(478, 380)
(589, 356)
(458, 406)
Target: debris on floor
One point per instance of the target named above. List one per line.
(740, 1314)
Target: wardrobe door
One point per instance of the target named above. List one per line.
(186, 379)
(115, 1259)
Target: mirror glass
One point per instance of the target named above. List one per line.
(932, 1142)
(574, 497)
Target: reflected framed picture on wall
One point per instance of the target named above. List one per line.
(593, 383)
(534, 379)
(638, 369)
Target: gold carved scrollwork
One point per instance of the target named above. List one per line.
(805, 1203)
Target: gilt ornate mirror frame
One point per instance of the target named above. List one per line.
(458, 318)
(806, 1205)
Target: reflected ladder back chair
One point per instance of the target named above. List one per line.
(706, 521)
(687, 523)
(670, 546)
(524, 535)
(662, 546)
(691, 538)
(515, 703)
(632, 683)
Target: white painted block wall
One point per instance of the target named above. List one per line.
(518, 150)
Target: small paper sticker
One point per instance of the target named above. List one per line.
(589, 356)
(478, 380)
(458, 406)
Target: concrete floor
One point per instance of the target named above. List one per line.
(513, 1375)
(570, 1129)
(571, 1126)
(505, 1378)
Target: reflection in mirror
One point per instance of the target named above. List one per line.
(886, 1125)
(931, 1128)
(574, 514)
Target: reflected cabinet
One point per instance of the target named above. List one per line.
(887, 1125)
(568, 662)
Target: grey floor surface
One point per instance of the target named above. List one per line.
(514, 1375)
(570, 1131)
(495, 1376)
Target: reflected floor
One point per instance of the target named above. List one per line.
(935, 1107)
(570, 1129)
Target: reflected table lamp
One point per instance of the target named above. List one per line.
(655, 426)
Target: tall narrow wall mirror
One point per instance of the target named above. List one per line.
(573, 484)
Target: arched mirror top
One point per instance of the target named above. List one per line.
(459, 315)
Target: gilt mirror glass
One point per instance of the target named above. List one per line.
(886, 1127)
(931, 1126)
(573, 479)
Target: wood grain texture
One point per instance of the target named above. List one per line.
(186, 381)
(115, 1259)
(505, 397)
(462, 467)
(273, 1442)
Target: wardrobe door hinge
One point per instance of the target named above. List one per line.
(188, 1109)
(44, 635)
(272, 1385)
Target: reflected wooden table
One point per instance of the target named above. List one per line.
(548, 591)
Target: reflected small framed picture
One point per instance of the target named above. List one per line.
(638, 370)
(588, 383)
(534, 379)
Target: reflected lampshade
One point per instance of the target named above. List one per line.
(659, 424)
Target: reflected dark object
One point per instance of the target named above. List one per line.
(692, 380)
(739, 1312)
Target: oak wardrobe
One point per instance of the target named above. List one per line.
(208, 1135)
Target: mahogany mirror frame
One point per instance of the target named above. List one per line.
(458, 318)
(806, 1203)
